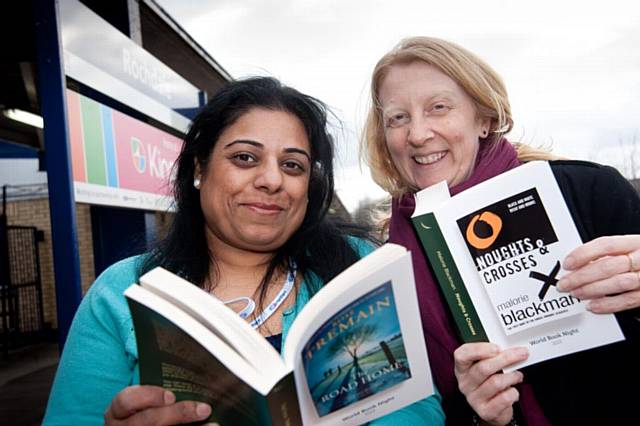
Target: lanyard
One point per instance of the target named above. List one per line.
(273, 306)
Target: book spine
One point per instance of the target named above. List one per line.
(283, 403)
(448, 277)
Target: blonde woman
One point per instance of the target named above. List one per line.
(441, 113)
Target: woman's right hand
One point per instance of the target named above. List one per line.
(152, 405)
(489, 391)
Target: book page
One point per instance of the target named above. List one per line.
(163, 330)
(357, 347)
(179, 359)
(218, 318)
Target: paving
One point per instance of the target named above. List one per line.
(26, 376)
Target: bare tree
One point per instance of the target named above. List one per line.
(631, 168)
(625, 157)
(374, 214)
(362, 215)
(351, 341)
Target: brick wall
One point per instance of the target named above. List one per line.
(35, 212)
(85, 246)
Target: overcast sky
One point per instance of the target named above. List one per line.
(572, 68)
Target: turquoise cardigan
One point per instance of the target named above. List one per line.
(100, 357)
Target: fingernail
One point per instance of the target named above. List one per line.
(203, 410)
(591, 306)
(169, 398)
(522, 352)
(521, 375)
(568, 262)
(495, 349)
(561, 285)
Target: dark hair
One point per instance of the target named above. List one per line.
(319, 244)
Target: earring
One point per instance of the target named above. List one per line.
(196, 183)
(485, 133)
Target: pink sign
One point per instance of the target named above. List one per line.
(145, 155)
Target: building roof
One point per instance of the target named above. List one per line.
(160, 35)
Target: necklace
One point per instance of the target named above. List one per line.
(273, 306)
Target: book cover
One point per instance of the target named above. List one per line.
(517, 254)
(355, 351)
(365, 356)
(496, 251)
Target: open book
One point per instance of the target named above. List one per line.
(496, 250)
(354, 353)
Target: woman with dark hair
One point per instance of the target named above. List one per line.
(253, 186)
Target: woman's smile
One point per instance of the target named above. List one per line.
(264, 208)
(429, 158)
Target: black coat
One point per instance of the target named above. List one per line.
(597, 386)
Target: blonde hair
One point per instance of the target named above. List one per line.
(472, 74)
(530, 153)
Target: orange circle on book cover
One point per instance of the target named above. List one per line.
(494, 222)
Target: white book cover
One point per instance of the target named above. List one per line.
(508, 237)
(338, 356)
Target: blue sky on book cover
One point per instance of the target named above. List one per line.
(358, 352)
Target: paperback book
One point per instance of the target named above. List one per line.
(496, 250)
(355, 352)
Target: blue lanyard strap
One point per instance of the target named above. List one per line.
(247, 310)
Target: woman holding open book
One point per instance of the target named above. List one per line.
(440, 113)
(253, 186)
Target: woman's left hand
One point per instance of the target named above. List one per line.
(606, 272)
(152, 405)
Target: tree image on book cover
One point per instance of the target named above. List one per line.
(356, 353)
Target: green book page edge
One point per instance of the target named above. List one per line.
(170, 358)
(283, 403)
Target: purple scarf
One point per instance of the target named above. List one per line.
(439, 333)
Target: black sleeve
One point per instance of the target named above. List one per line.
(602, 202)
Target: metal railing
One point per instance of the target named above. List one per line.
(21, 308)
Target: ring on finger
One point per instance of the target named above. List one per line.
(632, 266)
